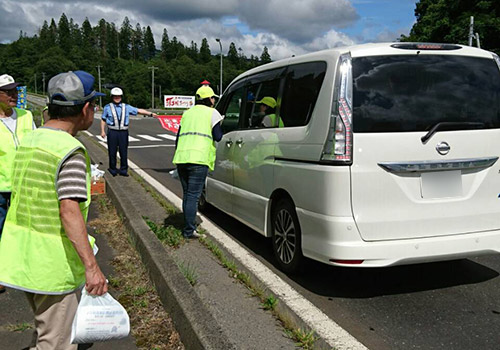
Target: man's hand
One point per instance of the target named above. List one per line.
(95, 281)
(103, 134)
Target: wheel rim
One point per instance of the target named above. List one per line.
(284, 236)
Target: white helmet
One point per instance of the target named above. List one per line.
(116, 91)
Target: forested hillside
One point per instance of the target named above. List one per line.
(125, 56)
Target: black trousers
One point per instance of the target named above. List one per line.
(118, 139)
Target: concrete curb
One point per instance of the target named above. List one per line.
(196, 326)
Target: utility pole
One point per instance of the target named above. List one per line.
(471, 30)
(152, 86)
(477, 41)
(159, 95)
(36, 92)
(220, 86)
(43, 82)
(99, 75)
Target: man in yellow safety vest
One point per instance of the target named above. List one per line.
(45, 249)
(195, 153)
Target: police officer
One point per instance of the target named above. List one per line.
(195, 153)
(116, 117)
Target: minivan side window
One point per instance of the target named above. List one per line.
(262, 105)
(302, 85)
(232, 111)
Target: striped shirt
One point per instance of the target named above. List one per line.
(71, 182)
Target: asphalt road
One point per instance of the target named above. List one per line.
(446, 305)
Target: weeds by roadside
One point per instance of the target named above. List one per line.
(19, 327)
(150, 325)
(169, 234)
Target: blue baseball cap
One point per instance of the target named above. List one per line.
(72, 88)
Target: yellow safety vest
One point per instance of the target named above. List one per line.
(35, 253)
(195, 144)
(9, 142)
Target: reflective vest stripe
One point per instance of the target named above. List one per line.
(195, 133)
(118, 125)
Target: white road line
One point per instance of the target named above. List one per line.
(132, 139)
(152, 146)
(149, 137)
(334, 335)
(168, 136)
(99, 137)
(88, 132)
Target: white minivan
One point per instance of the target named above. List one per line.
(370, 155)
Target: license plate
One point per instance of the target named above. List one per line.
(441, 184)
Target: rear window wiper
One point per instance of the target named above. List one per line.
(450, 126)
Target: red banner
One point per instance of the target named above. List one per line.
(170, 122)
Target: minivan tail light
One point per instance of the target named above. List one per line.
(338, 146)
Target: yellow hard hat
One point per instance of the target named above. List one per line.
(205, 92)
(268, 101)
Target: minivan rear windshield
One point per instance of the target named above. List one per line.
(414, 93)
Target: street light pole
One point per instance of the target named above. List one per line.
(43, 81)
(99, 75)
(220, 86)
(152, 86)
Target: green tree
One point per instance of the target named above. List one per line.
(205, 53)
(47, 40)
(265, 57)
(232, 54)
(64, 35)
(448, 21)
(149, 43)
(125, 39)
(165, 45)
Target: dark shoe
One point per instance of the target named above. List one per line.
(124, 174)
(112, 172)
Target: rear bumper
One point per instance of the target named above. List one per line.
(326, 238)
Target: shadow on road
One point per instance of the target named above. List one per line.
(331, 281)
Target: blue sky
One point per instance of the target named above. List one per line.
(286, 27)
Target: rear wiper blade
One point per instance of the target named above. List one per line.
(450, 126)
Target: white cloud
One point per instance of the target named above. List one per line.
(286, 27)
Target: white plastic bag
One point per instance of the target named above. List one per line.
(95, 172)
(98, 319)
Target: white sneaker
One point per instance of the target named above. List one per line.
(197, 235)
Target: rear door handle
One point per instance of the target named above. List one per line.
(239, 142)
(229, 143)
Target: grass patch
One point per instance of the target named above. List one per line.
(189, 271)
(304, 339)
(150, 325)
(19, 327)
(270, 303)
(170, 235)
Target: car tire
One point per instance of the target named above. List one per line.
(286, 237)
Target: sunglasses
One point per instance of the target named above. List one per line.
(11, 92)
